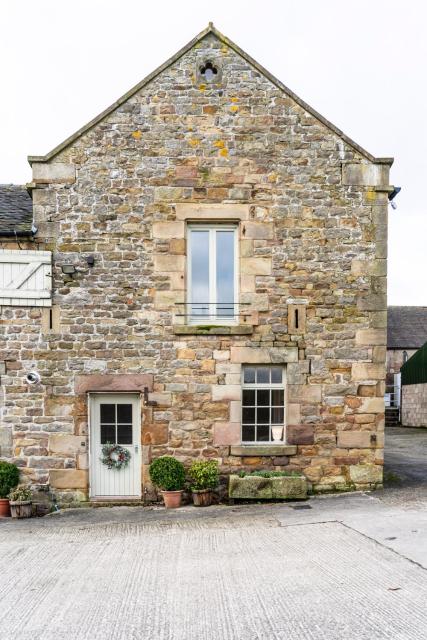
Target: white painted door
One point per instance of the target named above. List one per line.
(115, 418)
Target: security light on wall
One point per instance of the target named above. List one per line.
(68, 269)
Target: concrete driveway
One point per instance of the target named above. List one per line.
(335, 568)
(338, 568)
(406, 458)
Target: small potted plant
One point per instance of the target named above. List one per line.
(168, 474)
(204, 478)
(9, 478)
(21, 505)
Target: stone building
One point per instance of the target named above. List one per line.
(217, 252)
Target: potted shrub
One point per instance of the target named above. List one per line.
(204, 478)
(21, 505)
(9, 478)
(168, 474)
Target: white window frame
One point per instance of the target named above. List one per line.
(270, 385)
(212, 317)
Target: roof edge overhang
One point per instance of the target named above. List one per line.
(175, 58)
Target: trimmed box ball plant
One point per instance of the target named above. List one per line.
(9, 478)
(20, 500)
(168, 474)
(204, 478)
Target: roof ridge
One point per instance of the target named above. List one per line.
(145, 81)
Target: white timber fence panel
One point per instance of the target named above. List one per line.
(25, 278)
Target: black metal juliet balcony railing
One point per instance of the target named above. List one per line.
(208, 312)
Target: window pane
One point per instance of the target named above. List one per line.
(263, 397)
(124, 434)
(225, 273)
(249, 397)
(263, 416)
(108, 412)
(248, 433)
(263, 433)
(124, 413)
(248, 415)
(277, 415)
(277, 397)
(249, 375)
(108, 433)
(199, 272)
(263, 375)
(276, 375)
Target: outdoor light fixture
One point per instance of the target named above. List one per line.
(68, 269)
(392, 195)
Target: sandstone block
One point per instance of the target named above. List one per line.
(255, 266)
(365, 174)
(82, 461)
(366, 473)
(66, 445)
(371, 405)
(300, 434)
(305, 392)
(114, 382)
(371, 337)
(235, 411)
(377, 267)
(354, 439)
(68, 478)
(155, 433)
(226, 433)
(194, 211)
(367, 371)
(53, 172)
(258, 230)
(167, 230)
(294, 413)
(166, 262)
(262, 355)
(225, 392)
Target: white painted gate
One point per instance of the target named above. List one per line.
(115, 418)
(25, 278)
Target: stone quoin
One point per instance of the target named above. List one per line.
(210, 178)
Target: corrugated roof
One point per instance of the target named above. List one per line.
(406, 327)
(16, 209)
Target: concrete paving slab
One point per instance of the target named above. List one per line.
(238, 573)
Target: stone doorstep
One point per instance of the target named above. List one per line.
(263, 450)
(209, 330)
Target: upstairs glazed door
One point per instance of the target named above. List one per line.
(115, 419)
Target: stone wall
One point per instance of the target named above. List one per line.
(395, 360)
(414, 405)
(312, 227)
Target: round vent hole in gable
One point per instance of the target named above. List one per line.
(208, 71)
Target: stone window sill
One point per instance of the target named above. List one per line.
(263, 450)
(211, 330)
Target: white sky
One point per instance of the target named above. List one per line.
(361, 63)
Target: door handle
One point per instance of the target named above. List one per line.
(136, 448)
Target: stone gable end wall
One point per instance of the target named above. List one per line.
(314, 235)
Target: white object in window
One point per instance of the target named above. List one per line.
(212, 274)
(263, 404)
(25, 278)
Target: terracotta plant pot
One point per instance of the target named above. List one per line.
(202, 497)
(4, 508)
(21, 509)
(172, 499)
